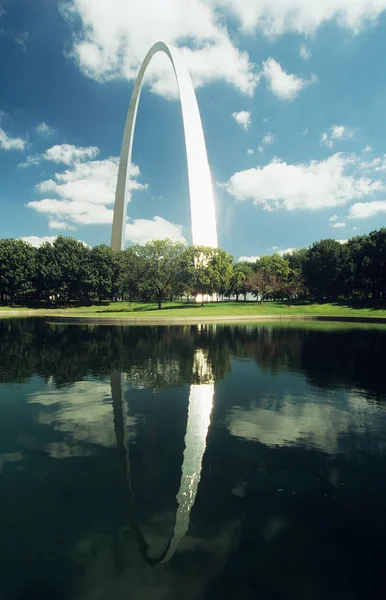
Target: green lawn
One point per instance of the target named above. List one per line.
(212, 309)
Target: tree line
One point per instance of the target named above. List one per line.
(161, 270)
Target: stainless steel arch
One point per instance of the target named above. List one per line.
(203, 218)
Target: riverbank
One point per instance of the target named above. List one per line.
(177, 312)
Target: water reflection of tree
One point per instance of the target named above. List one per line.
(161, 356)
(327, 357)
(151, 356)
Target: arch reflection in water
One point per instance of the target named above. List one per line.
(201, 397)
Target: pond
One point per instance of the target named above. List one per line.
(192, 462)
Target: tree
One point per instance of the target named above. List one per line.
(220, 268)
(377, 255)
(17, 267)
(207, 270)
(48, 278)
(295, 284)
(159, 269)
(196, 273)
(73, 258)
(325, 269)
(269, 276)
(105, 272)
(274, 264)
(240, 274)
(263, 283)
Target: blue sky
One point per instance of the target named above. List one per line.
(292, 97)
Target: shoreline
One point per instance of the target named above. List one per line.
(142, 320)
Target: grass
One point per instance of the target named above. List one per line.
(213, 309)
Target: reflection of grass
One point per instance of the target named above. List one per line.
(212, 309)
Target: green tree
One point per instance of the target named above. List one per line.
(195, 272)
(269, 277)
(73, 258)
(220, 267)
(48, 278)
(240, 273)
(158, 266)
(207, 270)
(275, 264)
(17, 268)
(377, 256)
(263, 283)
(294, 285)
(105, 272)
(325, 269)
(130, 273)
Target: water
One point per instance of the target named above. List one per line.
(197, 462)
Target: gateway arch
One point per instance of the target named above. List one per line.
(203, 218)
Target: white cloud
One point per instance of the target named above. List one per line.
(304, 52)
(342, 241)
(377, 164)
(251, 259)
(275, 17)
(277, 250)
(250, 151)
(53, 224)
(284, 85)
(77, 213)
(21, 38)
(243, 118)
(365, 210)
(367, 149)
(316, 185)
(44, 129)
(111, 40)
(91, 181)
(286, 251)
(268, 139)
(37, 241)
(8, 143)
(336, 132)
(324, 139)
(338, 225)
(69, 154)
(84, 191)
(30, 160)
(333, 218)
(141, 231)
(66, 154)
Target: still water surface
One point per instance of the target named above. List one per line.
(189, 463)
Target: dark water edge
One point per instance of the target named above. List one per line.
(192, 462)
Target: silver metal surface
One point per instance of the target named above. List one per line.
(203, 218)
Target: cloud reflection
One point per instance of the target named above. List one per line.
(82, 412)
(311, 422)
